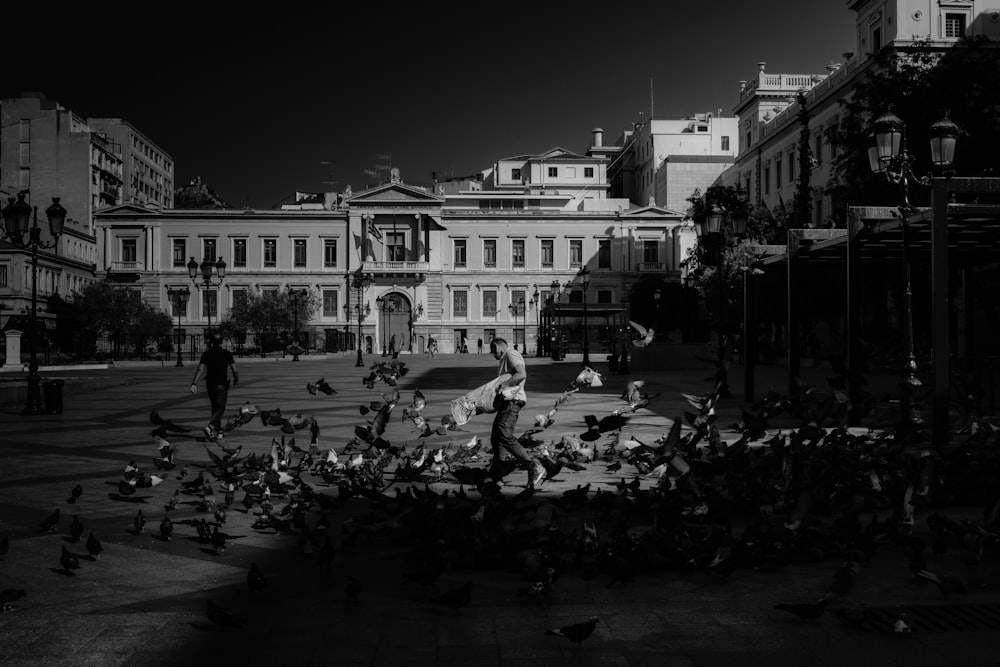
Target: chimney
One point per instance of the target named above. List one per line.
(598, 135)
(760, 66)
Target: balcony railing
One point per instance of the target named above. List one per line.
(126, 266)
(412, 266)
(651, 266)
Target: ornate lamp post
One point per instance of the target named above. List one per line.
(361, 281)
(623, 366)
(709, 229)
(536, 302)
(888, 156)
(15, 221)
(514, 308)
(295, 294)
(384, 307)
(584, 273)
(210, 274)
(179, 299)
(556, 336)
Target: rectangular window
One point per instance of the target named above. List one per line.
(818, 149)
(954, 25)
(748, 138)
(767, 179)
(605, 296)
(239, 296)
(576, 252)
(576, 296)
(330, 253)
(128, 250)
(490, 253)
(174, 310)
(209, 250)
(209, 303)
(588, 172)
(791, 166)
(818, 207)
(270, 253)
(832, 136)
(517, 253)
(515, 174)
(489, 303)
(650, 251)
(460, 257)
(553, 172)
(548, 253)
(395, 247)
(777, 172)
(604, 253)
(240, 253)
(180, 252)
(330, 303)
(460, 304)
(299, 253)
(725, 142)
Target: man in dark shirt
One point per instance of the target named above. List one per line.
(214, 364)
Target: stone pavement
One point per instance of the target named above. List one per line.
(143, 602)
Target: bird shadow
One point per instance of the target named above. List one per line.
(128, 499)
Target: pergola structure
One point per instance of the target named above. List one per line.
(945, 240)
(558, 318)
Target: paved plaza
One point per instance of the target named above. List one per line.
(143, 602)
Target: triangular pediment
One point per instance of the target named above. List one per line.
(652, 212)
(394, 193)
(130, 210)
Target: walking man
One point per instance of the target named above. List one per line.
(214, 365)
(509, 400)
(432, 347)
(479, 344)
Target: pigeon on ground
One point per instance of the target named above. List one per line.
(255, 579)
(139, 522)
(455, 598)
(222, 616)
(76, 529)
(218, 541)
(807, 611)
(51, 522)
(94, 546)
(75, 494)
(166, 528)
(576, 632)
(68, 560)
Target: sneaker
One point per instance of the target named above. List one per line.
(537, 475)
(209, 432)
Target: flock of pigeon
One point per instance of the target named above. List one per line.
(689, 502)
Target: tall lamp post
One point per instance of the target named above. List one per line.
(179, 298)
(295, 294)
(555, 337)
(888, 156)
(623, 366)
(384, 306)
(584, 273)
(210, 275)
(513, 308)
(536, 302)
(360, 282)
(16, 216)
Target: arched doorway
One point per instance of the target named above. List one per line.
(395, 322)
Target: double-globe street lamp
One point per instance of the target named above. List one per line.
(514, 308)
(207, 276)
(384, 306)
(16, 216)
(536, 302)
(179, 299)
(361, 281)
(555, 336)
(584, 273)
(888, 156)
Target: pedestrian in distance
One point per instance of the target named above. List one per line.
(432, 347)
(215, 365)
(509, 400)
(465, 344)
(480, 345)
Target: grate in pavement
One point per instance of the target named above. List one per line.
(934, 617)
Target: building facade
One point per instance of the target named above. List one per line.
(147, 170)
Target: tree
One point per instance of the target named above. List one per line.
(104, 308)
(270, 313)
(802, 206)
(920, 84)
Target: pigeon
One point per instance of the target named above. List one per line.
(94, 546)
(166, 528)
(455, 598)
(255, 579)
(320, 386)
(139, 522)
(68, 560)
(51, 522)
(218, 541)
(576, 632)
(807, 611)
(946, 583)
(75, 494)
(76, 529)
(222, 616)
(645, 335)
(352, 589)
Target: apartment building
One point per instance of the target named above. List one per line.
(147, 170)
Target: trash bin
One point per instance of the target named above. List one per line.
(53, 391)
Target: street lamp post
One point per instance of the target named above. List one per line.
(536, 302)
(15, 218)
(555, 337)
(383, 306)
(888, 156)
(513, 308)
(584, 273)
(210, 274)
(361, 281)
(295, 294)
(179, 299)
(623, 367)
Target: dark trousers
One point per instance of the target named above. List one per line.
(218, 394)
(502, 434)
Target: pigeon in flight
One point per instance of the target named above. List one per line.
(320, 385)
(576, 632)
(645, 335)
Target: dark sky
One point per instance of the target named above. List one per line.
(255, 102)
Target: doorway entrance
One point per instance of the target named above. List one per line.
(461, 340)
(395, 323)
